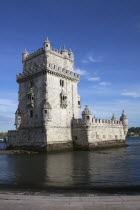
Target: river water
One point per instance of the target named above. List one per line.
(117, 168)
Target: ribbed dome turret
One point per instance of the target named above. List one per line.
(25, 51)
(24, 55)
(64, 49)
(64, 52)
(71, 55)
(113, 117)
(18, 111)
(123, 116)
(86, 111)
(47, 105)
(47, 40)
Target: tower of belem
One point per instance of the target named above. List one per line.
(48, 113)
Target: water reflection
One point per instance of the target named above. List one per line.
(59, 169)
(112, 167)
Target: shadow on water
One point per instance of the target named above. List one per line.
(107, 171)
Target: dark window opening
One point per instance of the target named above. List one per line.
(31, 113)
(45, 111)
(78, 102)
(62, 83)
(46, 45)
(31, 83)
(87, 117)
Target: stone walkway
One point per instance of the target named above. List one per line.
(60, 202)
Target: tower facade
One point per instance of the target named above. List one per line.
(48, 99)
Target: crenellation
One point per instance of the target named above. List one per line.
(99, 122)
(35, 53)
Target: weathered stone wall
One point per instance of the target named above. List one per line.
(12, 136)
(25, 108)
(58, 59)
(60, 124)
(33, 61)
(97, 133)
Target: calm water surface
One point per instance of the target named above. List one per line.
(80, 169)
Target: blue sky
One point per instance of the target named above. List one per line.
(104, 36)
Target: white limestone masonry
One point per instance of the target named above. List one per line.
(48, 114)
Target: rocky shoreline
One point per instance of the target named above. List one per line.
(17, 152)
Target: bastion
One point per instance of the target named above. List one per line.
(48, 113)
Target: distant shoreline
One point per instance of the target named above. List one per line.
(133, 136)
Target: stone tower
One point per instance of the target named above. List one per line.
(48, 99)
(47, 117)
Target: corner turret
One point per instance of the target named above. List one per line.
(47, 45)
(87, 116)
(113, 117)
(46, 112)
(17, 118)
(64, 52)
(71, 55)
(124, 120)
(24, 56)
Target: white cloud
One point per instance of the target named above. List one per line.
(131, 94)
(85, 61)
(104, 83)
(7, 113)
(6, 118)
(7, 102)
(92, 60)
(94, 79)
(80, 71)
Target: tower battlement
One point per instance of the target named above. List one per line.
(41, 51)
(34, 54)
